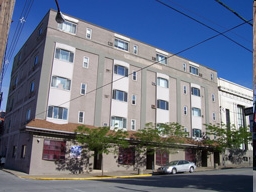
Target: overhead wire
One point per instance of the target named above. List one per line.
(207, 26)
(156, 62)
(16, 36)
(211, 21)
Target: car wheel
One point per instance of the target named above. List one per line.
(174, 171)
(191, 169)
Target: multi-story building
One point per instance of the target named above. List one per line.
(6, 11)
(233, 100)
(78, 73)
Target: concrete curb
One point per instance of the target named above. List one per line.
(85, 178)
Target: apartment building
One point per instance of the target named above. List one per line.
(77, 73)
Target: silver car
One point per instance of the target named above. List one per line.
(177, 166)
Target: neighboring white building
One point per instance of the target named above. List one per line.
(233, 99)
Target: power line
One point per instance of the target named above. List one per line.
(193, 12)
(156, 62)
(233, 11)
(204, 24)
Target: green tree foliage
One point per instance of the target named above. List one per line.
(102, 139)
(222, 137)
(163, 136)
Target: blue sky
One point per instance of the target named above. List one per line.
(172, 28)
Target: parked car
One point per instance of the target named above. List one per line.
(177, 166)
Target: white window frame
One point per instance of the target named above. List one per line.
(161, 58)
(118, 122)
(161, 104)
(135, 49)
(68, 27)
(193, 70)
(85, 62)
(195, 91)
(212, 76)
(184, 67)
(162, 82)
(213, 98)
(54, 112)
(213, 116)
(118, 72)
(121, 44)
(66, 83)
(120, 95)
(185, 109)
(62, 53)
(133, 124)
(133, 99)
(196, 112)
(83, 88)
(134, 75)
(185, 89)
(88, 33)
(80, 116)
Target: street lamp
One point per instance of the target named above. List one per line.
(59, 17)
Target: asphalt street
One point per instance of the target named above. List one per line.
(229, 180)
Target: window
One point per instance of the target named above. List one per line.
(64, 55)
(135, 49)
(213, 116)
(184, 67)
(195, 91)
(186, 131)
(196, 133)
(36, 60)
(212, 76)
(121, 44)
(185, 89)
(240, 116)
(54, 150)
(133, 99)
(161, 59)
(185, 110)
(121, 70)
(161, 104)
(32, 87)
(40, 31)
(193, 70)
(28, 113)
(196, 112)
(134, 76)
(213, 97)
(88, 33)
(86, 62)
(60, 82)
(83, 89)
(133, 124)
(162, 157)
(14, 151)
(118, 122)
(120, 95)
(23, 151)
(67, 26)
(126, 156)
(162, 82)
(58, 112)
(80, 117)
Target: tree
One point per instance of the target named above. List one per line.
(222, 137)
(163, 137)
(102, 139)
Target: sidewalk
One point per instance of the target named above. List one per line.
(97, 175)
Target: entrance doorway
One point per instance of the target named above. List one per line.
(97, 160)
